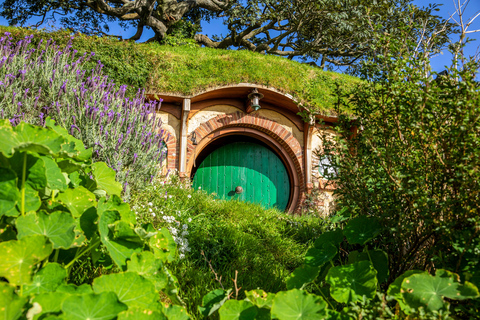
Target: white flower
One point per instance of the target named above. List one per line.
(189, 196)
(182, 256)
(189, 219)
(153, 214)
(184, 233)
(185, 227)
(199, 188)
(173, 231)
(170, 196)
(150, 210)
(150, 204)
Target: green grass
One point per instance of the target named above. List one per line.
(264, 246)
(187, 70)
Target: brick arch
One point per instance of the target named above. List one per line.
(270, 130)
(171, 143)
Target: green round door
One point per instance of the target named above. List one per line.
(245, 171)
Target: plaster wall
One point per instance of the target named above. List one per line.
(284, 122)
(170, 123)
(207, 114)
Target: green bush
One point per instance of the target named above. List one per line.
(60, 215)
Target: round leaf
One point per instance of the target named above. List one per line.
(334, 237)
(130, 288)
(47, 279)
(174, 312)
(351, 282)
(103, 306)
(361, 229)
(145, 264)
(163, 245)
(140, 314)
(212, 301)
(57, 226)
(11, 305)
(297, 304)
(395, 289)
(302, 276)
(20, 256)
(237, 310)
(317, 257)
(105, 178)
(379, 258)
(77, 200)
(260, 298)
(9, 194)
(55, 179)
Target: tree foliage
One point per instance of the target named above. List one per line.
(327, 31)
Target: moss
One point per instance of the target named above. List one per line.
(187, 70)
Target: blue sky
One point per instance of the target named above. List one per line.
(439, 62)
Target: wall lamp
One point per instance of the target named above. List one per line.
(255, 97)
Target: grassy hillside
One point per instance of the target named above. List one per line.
(189, 69)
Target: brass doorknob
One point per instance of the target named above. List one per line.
(238, 190)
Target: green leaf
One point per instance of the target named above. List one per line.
(174, 312)
(47, 279)
(120, 249)
(238, 310)
(297, 304)
(8, 138)
(9, 194)
(334, 237)
(32, 200)
(57, 226)
(55, 178)
(105, 178)
(130, 288)
(379, 258)
(163, 246)
(145, 264)
(302, 276)
(362, 229)
(115, 203)
(103, 306)
(212, 301)
(395, 290)
(141, 314)
(260, 298)
(20, 256)
(50, 302)
(318, 257)
(11, 305)
(82, 153)
(427, 291)
(77, 200)
(351, 282)
(73, 289)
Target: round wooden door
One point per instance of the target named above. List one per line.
(245, 171)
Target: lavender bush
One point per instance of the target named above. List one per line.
(49, 81)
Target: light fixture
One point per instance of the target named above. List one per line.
(255, 97)
(194, 138)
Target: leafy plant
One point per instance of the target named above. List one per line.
(61, 211)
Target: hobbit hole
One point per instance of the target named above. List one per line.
(263, 155)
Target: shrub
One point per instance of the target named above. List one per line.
(47, 80)
(54, 222)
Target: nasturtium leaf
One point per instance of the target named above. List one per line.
(7, 232)
(18, 257)
(9, 194)
(171, 289)
(105, 178)
(103, 306)
(238, 310)
(141, 314)
(8, 138)
(11, 305)
(57, 226)
(31, 167)
(47, 279)
(395, 290)
(124, 231)
(77, 200)
(302, 276)
(334, 237)
(82, 153)
(317, 257)
(55, 178)
(260, 298)
(130, 288)
(115, 203)
(163, 245)
(427, 291)
(37, 139)
(50, 302)
(120, 250)
(145, 264)
(212, 301)
(379, 258)
(174, 312)
(298, 305)
(88, 222)
(362, 229)
(32, 200)
(349, 283)
(73, 289)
